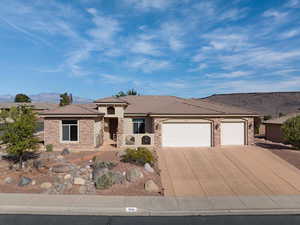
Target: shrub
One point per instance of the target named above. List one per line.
(291, 131)
(49, 148)
(139, 156)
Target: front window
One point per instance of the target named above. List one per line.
(138, 126)
(70, 130)
(111, 110)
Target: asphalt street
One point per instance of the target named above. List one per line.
(141, 220)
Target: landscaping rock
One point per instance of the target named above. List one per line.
(83, 189)
(38, 164)
(59, 187)
(68, 185)
(60, 157)
(62, 168)
(121, 153)
(148, 168)
(150, 186)
(8, 180)
(68, 177)
(79, 181)
(118, 178)
(24, 181)
(65, 152)
(33, 182)
(46, 185)
(134, 174)
(104, 181)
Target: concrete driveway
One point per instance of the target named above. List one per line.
(234, 171)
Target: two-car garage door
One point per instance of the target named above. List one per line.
(186, 135)
(200, 134)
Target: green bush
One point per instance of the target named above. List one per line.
(49, 148)
(138, 156)
(291, 131)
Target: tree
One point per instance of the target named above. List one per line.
(267, 117)
(18, 132)
(129, 92)
(65, 99)
(22, 98)
(281, 114)
(291, 131)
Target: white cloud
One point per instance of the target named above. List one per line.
(109, 78)
(276, 15)
(150, 4)
(293, 4)
(200, 67)
(144, 47)
(234, 74)
(148, 65)
(289, 34)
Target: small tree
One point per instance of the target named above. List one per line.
(129, 92)
(18, 132)
(291, 131)
(22, 98)
(65, 99)
(267, 117)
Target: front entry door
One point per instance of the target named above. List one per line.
(113, 128)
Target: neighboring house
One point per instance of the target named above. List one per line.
(153, 121)
(37, 107)
(264, 103)
(273, 127)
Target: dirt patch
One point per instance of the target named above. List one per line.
(80, 161)
(286, 152)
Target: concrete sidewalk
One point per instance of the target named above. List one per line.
(146, 206)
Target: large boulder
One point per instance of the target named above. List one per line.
(134, 174)
(8, 180)
(24, 181)
(62, 168)
(46, 185)
(150, 186)
(148, 168)
(79, 181)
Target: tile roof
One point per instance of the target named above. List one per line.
(110, 100)
(282, 119)
(73, 109)
(175, 105)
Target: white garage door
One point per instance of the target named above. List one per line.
(233, 133)
(186, 135)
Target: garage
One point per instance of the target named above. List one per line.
(232, 133)
(186, 135)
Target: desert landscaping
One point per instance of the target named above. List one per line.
(100, 173)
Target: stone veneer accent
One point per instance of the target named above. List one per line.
(216, 132)
(120, 132)
(52, 131)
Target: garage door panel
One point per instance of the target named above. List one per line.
(233, 133)
(186, 135)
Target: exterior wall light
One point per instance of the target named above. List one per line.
(250, 125)
(217, 126)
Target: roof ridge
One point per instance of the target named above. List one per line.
(245, 93)
(81, 106)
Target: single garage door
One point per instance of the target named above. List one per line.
(233, 133)
(186, 135)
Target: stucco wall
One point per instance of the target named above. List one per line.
(274, 133)
(52, 127)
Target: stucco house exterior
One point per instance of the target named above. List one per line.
(152, 121)
(273, 127)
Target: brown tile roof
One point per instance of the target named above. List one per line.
(174, 105)
(110, 100)
(282, 119)
(73, 109)
(35, 105)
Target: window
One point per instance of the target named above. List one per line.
(69, 130)
(111, 110)
(138, 126)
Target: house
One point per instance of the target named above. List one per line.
(273, 127)
(153, 121)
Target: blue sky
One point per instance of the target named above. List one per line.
(188, 48)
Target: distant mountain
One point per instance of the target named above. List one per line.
(268, 103)
(45, 97)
